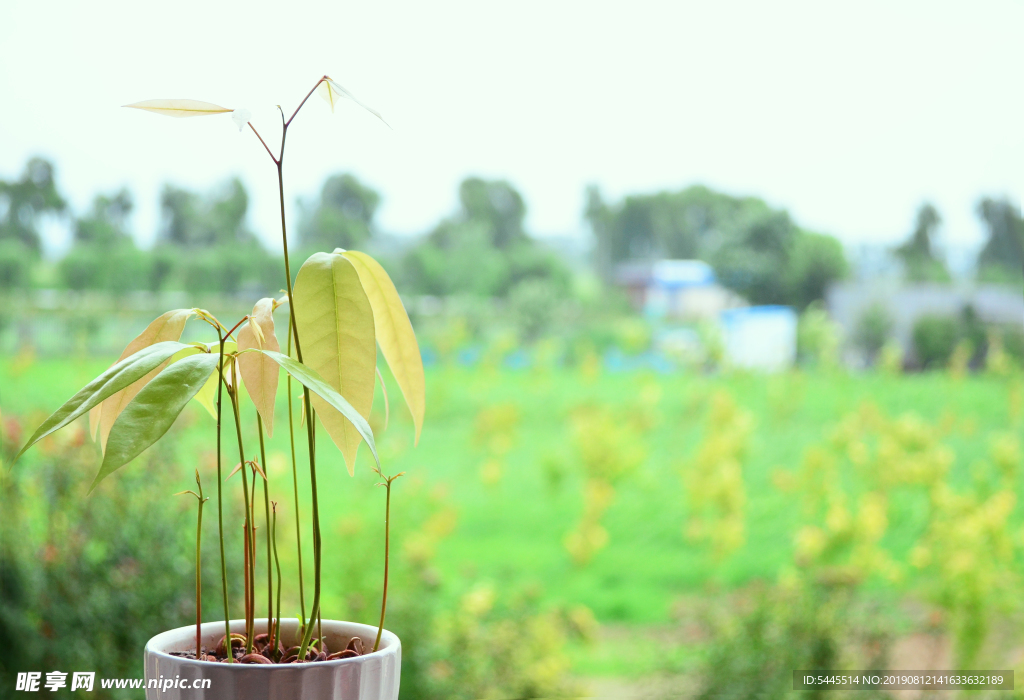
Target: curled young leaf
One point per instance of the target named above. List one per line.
(394, 333)
(116, 378)
(259, 373)
(332, 93)
(254, 463)
(241, 117)
(180, 108)
(335, 322)
(150, 414)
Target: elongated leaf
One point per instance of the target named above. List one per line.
(335, 323)
(387, 404)
(260, 373)
(180, 108)
(167, 326)
(153, 410)
(319, 386)
(94, 414)
(334, 93)
(394, 333)
(113, 380)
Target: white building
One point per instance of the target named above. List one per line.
(676, 289)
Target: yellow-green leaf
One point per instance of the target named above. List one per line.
(387, 404)
(117, 377)
(335, 324)
(153, 410)
(394, 333)
(180, 108)
(316, 384)
(259, 372)
(167, 326)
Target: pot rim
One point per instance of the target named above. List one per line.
(389, 643)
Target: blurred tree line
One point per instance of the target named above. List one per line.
(754, 249)
(1000, 260)
(205, 245)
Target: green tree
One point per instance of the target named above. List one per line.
(921, 262)
(192, 220)
(205, 244)
(496, 204)
(755, 250)
(23, 202)
(1002, 258)
(106, 224)
(873, 330)
(483, 249)
(815, 262)
(343, 216)
(103, 255)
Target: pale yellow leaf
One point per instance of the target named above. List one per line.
(260, 373)
(387, 404)
(394, 333)
(333, 93)
(207, 396)
(180, 108)
(335, 324)
(167, 327)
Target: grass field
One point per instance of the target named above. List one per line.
(510, 525)
(497, 477)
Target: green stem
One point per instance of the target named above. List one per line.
(252, 558)
(245, 497)
(387, 539)
(220, 501)
(295, 478)
(199, 578)
(277, 565)
(317, 543)
(266, 506)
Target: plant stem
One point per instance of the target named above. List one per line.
(245, 565)
(220, 500)
(266, 505)
(252, 556)
(317, 544)
(295, 476)
(387, 541)
(245, 497)
(277, 565)
(199, 576)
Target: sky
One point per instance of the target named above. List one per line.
(847, 114)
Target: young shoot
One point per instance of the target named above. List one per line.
(199, 570)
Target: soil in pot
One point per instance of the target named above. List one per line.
(264, 653)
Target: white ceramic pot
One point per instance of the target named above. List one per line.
(369, 677)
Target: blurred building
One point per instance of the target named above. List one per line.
(760, 338)
(675, 289)
(849, 302)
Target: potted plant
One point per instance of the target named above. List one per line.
(342, 307)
